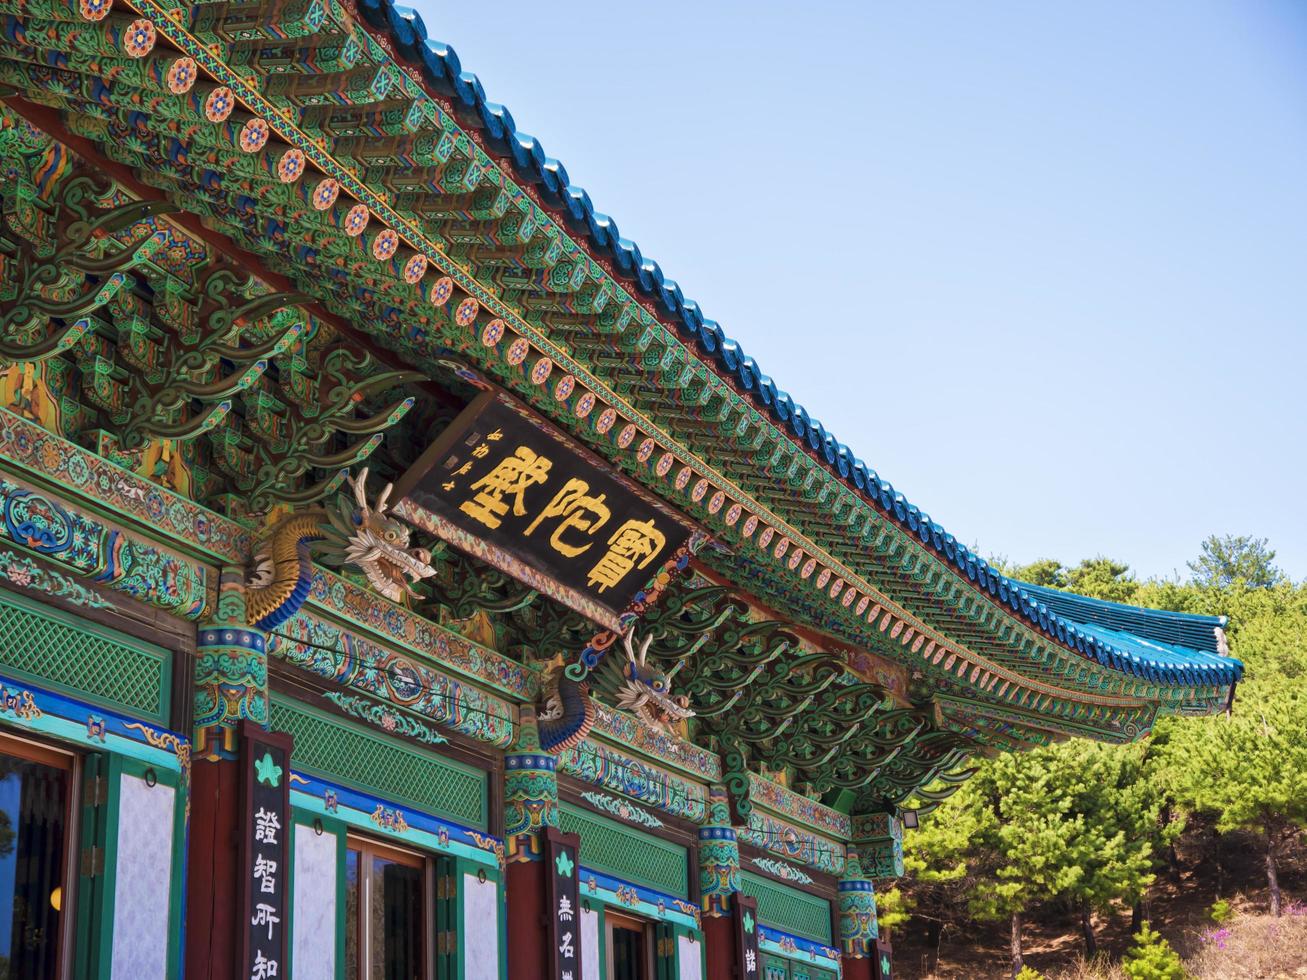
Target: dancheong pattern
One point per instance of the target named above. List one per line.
(253, 252)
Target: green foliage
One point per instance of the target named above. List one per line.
(1228, 560)
(892, 908)
(1028, 973)
(1220, 912)
(1249, 770)
(1083, 825)
(1047, 572)
(1151, 958)
(1101, 578)
(1075, 823)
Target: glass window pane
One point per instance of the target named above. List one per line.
(33, 835)
(628, 953)
(352, 889)
(396, 934)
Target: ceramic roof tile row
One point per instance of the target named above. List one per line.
(444, 76)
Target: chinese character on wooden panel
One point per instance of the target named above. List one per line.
(507, 487)
(563, 895)
(746, 936)
(264, 853)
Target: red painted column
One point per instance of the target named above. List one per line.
(212, 888)
(719, 947)
(231, 686)
(530, 805)
(527, 950)
(719, 883)
(851, 969)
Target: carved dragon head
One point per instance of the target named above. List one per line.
(376, 543)
(646, 690)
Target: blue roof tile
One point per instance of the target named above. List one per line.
(443, 73)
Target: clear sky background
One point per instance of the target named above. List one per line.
(1041, 265)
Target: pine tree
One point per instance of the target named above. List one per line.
(1248, 769)
(1151, 958)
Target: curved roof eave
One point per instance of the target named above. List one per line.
(444, 75)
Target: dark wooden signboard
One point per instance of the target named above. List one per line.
(884, 960)
(264, 852)
(563, 893)
(503, 485)
(745, 913)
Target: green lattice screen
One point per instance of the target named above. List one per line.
(783, 968)
(627, 853)
(51, 648)
(345, 753)
(788, 909)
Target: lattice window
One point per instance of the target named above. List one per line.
(56, 650)
(788, 909)
(626, 853)
(342, 752)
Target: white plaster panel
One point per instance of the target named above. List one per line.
(689, 960)
(142, 894)
(313, 922)
(591, 969)
(480, 928)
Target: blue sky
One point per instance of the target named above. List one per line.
(1042, 266)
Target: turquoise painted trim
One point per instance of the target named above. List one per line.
(633, 837)
(97, 899)
(791, 947)
(636, 899)
(381, 818)
(79, 723)
(697, 935)
(108, 892)
(129, 496)
(92, 892)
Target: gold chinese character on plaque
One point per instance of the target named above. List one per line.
(580, 513)
(510, 478)
(633, 545)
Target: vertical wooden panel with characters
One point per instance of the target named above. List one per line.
(563, 895)
(266, 827)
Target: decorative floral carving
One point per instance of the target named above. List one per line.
(384, 718)
(622, 809)
(782, 870)
(22, 571)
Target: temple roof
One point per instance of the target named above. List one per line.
(1166, 647)
(1146, 642)
(417, 248)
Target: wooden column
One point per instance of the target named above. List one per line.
(719, 884)
(231, 685)
(858, 930)
(530, 806)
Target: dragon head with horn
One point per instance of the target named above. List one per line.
(352, 534)
(646, 690)
(376, 543)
